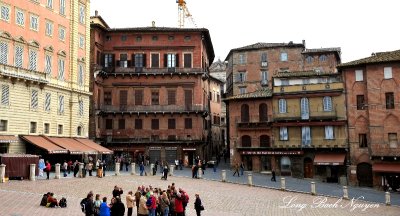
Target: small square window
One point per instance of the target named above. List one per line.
(33, 127)
(108, 38)
(154, 38)
(46, 129)
(284, 56)
(60, 129)
(138, 38)
(171, 37)
(188, 38)
(359, 75)
(387, 72)
(3, 125)
(123, 38)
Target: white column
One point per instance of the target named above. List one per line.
(2, 173)
(387, 198)
(58, 176)
(313, 191)
(199, 173)
(171, 170)
(151, 168)
(32, 174)
(133, 169)
(283, 183)
(117, 167)
(250, 179)
(223, 175)
(80, 174)
(345, 192)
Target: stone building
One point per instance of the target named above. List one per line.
(372, 101)
(44, 73)
(151, 90)
(252, 101)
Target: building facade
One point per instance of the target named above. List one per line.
(372, 100)
(44, 71)
(151, 91)
(258, 76)
(216, 118)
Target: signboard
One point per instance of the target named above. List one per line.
(154, 148)
(272, 152)
(189, 149)
(327, 163)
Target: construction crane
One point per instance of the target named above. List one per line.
(183, 13)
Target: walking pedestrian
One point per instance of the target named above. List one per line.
(236, 168)
(141, 168)
(65, 168)
(241, 168)
(273, 176)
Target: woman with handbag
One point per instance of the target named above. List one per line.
(198, 206)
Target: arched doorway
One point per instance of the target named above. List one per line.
(364, 174)
(308, 168)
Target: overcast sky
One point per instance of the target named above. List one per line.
(359, 27)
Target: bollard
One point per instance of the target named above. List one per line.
(80, 170)
(345, 193)
(117, 167)
(313, 192)
(58, 176)
(2, 173)
(387, 198)
(250, 179)
(171, 170)
(199, 173)
(133, 169)
(283, 184)
(223, 174)
(32, 174)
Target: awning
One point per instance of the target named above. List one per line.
(329, 159)
(8, 139)
(45, 144)
(386, 167)
(94, 145)
(73, 146)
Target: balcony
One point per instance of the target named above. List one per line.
(130, 109)
(315, 143)
(254, 123)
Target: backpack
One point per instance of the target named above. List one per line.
(63, 203)
(43, 202)
(83, 204)
(149, 202)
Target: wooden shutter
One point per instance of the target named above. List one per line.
(177, 60)
(165, 60)
(113, 59)
(144, 60)
(133, 60)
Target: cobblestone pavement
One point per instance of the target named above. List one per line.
(20, 198)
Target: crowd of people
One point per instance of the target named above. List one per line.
(49, 200)
(150, 201)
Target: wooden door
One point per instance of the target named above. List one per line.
(308, 168)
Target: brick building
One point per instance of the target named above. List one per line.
(372, 100)
(44, 73)
(253, 96)
(151, 90)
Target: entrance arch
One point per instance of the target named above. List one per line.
(308, 168)
(364, 174)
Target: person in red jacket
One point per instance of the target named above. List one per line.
(179, 205)
(48, 168)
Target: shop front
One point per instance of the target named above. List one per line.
(189, 155)
(387, 176)
(330, 167)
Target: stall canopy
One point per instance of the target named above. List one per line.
(8, 139)
(94, 145)
(386, 167)
(73, 146)
(332, 159)
(45, 144)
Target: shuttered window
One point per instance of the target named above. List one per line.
(327, 101)
(61, 64)
(3, 52)
(5, 95)
(155, 60)
(121, 124)
(19, 50)
(305, 110)
(187, 60)
(188, 123)
(32, 59)
(305, 136)
(282, 106)
(329, 132)
(61, 104)
(34, 99)
(171, 97)
(81, 108)
(138, 124)
(283, 133)
(80, 75)
(155, 98)
(47, 67)
(107, 98)
(138, 97)
(47, 102)
(155, 124)
(171, 124)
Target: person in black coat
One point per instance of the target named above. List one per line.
(89, 205)
(118, 208)
(197, 205)
(117, 191)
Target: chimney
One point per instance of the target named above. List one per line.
(96, 13)
(304, 43)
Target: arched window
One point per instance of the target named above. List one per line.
(263, 112)
(246, 141)
(264, 141)
(245, 113)
(322, 58)
(282, 106)
(327, 101)
(305, 111)
(309, 59)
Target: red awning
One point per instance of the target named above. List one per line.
(8, 139)
(329, 159)
(94, 145)
(45, 144)
(386, 167)
(73, 146)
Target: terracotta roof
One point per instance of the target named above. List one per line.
(260, 93)
(379, 57)
(319, 50)
(303, 74)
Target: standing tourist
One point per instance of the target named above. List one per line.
(118, 208)
(129, 202)
(197, 205)
(104, 208)
(65, 168)
(48, 168)
(164, 203)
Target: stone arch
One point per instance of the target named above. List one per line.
(363, 158)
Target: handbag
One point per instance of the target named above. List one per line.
(201, 208)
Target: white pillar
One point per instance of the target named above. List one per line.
(117, 166)
(80, 174)
(171, 170)
(58, 176)
(250, 179)
(133, 169)
(2, 173)
(283, 183)
(313, 192)
(32, 174)
(223, 175)
(387, 198)
(345, 192)
(199, 173)
(151, 168)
